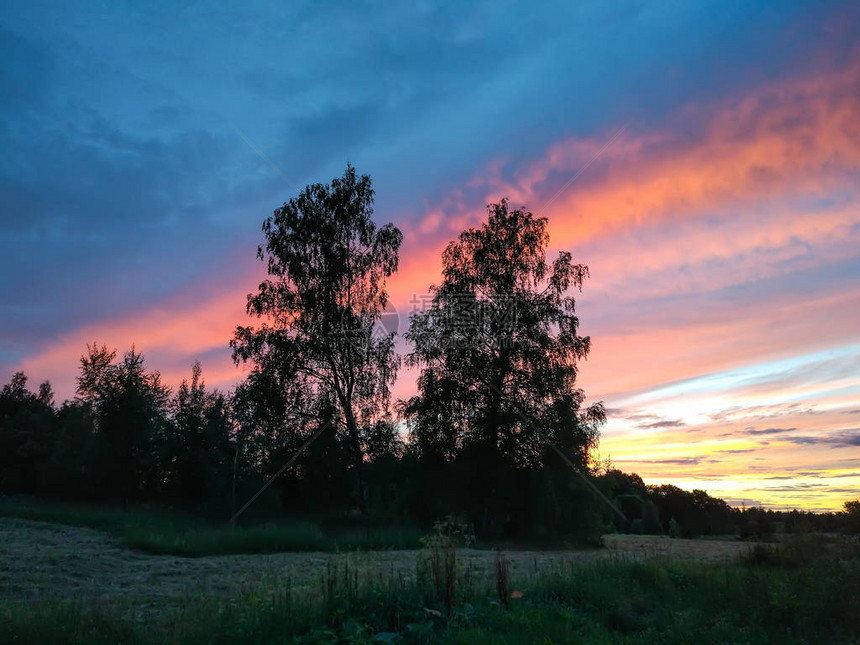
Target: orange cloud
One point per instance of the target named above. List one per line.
(661, 201)
(796, 139)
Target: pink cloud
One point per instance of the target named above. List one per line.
(798, 138)
(170, 336)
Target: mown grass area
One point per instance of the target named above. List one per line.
(803, 591)
(170, 532)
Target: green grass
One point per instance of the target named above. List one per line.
(169, 532)
(801, 592)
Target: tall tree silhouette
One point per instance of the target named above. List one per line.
(327, 263)
(498, 348)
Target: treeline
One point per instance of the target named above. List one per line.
(498, 433)
(127, 439)
(669, 510)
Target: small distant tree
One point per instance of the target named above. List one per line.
(129, 405)
(852, 516)
(198, 452)
(27, 435)
(328, 264)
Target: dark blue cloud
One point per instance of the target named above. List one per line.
(844, 439)
(124, 180)
(665, 423)
(753, 431)
(25, 74)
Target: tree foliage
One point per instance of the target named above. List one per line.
(199, 448)
(498, 348)
(27, 434)
(695, 513)
(327, 263)
(851, 514)
(129, 405)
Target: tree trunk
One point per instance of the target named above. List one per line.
(358, 454)
(235, 475)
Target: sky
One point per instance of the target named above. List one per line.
(703, 159)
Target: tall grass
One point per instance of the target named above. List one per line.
(806, 595)
(169, 532)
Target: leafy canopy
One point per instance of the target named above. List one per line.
(327, 263)
(499, 346)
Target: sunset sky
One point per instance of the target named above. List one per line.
(703, 159)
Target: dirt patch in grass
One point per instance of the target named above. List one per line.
(40, 560)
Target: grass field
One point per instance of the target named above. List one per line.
(60, 583)
(40, 559)
(171, 532)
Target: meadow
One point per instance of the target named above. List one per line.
(63, 583)
(159, 530)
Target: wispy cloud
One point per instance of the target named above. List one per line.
(753, 431)
(663, 424)
(838, 440)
